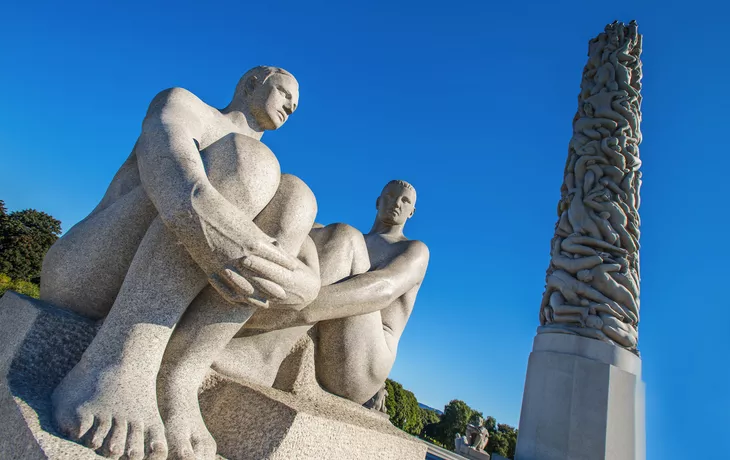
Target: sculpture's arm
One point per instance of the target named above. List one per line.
(373, 290)
(171, 170)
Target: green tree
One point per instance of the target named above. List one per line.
(429, 417)
(490, 423)
(402, 408)
(502, 440)
(456, 416)
(25, 237)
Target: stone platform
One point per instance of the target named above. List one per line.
(39, 344)
(583, 400)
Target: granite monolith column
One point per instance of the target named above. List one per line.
(584, 397)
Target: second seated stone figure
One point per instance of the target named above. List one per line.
(369, 287)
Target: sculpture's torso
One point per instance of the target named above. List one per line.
(394, 317)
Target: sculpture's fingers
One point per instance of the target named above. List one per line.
(222, 287)
(232, 286)
(268, 288)
(265, 269)
(257, 302)
(276, 255)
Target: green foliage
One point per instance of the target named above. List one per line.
(402, 408)
(433, 441)
(25, 237)
(456, 416)
(490, 423)
(502, 440)
(429, 416)
(19, 286)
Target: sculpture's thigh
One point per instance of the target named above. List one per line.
(84, 270)
(353, 358)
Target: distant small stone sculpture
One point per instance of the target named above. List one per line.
(377, 402)
(593, 279)
(477, 434)
(203, 255)
(473, 443)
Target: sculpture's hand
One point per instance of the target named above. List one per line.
(238, 284)
(290, 289)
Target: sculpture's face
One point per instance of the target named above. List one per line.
(396, 204)
(272, 102)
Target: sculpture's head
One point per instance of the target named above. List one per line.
(396, 203)
(270, 93)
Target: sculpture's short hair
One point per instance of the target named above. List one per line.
(260, 74)
(402, 183)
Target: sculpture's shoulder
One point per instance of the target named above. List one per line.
(178, 100)
(416, 249)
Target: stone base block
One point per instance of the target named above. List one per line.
(470, 452)
(297, 420)
(39, 344)
(583, 400)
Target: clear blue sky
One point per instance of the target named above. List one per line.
(470, 102)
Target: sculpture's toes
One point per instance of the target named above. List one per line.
(117, 439)
(157, 443)
(135, 441)
(74, 424)
(181, 448)
(99, 432)
(204, 446)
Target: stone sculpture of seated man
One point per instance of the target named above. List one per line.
(198, 211)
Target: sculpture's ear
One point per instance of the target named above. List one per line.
(412, 212)
(250, 85)
(377, 202)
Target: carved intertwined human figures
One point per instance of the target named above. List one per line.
(199, 233)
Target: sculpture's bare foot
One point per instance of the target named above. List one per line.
(187, 436)
(112, 409)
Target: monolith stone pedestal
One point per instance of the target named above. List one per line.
(583, 400)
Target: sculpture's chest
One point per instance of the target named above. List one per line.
(243, 170)
(382, 252)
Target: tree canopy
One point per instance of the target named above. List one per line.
(25, 237)
(402, 408)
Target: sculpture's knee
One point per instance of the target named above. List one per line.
(361, 383)
(289, 215)
(243, 170)
(347, 236)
